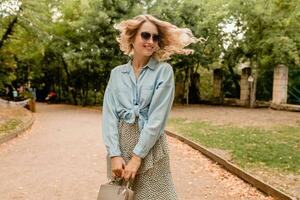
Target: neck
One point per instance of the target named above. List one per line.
(139, 62)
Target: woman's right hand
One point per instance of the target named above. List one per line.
(117, 166)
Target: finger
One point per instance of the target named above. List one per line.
(123, 174)
(119, 171)
(133, 176)
(113, 175)
(118, 174)
(115, 172)
(127, 176)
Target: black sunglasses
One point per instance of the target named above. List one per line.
(146, 36)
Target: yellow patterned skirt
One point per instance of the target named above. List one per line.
(153, 180)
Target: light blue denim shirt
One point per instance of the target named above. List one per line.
(148, 97)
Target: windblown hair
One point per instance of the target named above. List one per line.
(173, 39)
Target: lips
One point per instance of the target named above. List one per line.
(149, 48)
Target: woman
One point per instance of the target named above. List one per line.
(137, 101)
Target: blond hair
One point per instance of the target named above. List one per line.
(173, 39)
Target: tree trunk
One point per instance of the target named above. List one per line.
(187, 84)
(253, 85)
(253, 91)
(234, 78)
(8, 31)
(194, 88)
(69, 88)
(86, 88)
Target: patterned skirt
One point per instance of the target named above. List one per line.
(153, 180)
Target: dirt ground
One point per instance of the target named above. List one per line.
(63, 157)
(237, 116)
(17, 113)
(7, 113)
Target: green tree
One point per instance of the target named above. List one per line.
(270, 37)
(203, 23)
(20, 23)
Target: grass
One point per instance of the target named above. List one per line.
(9, 125)
(273, 148)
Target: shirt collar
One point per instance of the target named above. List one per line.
(152, 63)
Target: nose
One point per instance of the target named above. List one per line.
(150, 40)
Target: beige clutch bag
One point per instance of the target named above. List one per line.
(115, 191)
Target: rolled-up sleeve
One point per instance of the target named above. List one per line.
(110, 122)
(159, 109)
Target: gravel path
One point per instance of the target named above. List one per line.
(237, 116)
(63, 158)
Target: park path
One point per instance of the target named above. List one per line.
(62, 157)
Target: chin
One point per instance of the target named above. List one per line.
(148, 53)
(144, 53)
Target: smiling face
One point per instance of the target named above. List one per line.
(144, 45)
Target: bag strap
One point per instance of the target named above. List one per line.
(122, 182)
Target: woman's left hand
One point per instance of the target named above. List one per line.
(132, 167)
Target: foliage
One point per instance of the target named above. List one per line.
(270, 37)
(80, 46)
(21, 50)
(70, 46)
(195, 17)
